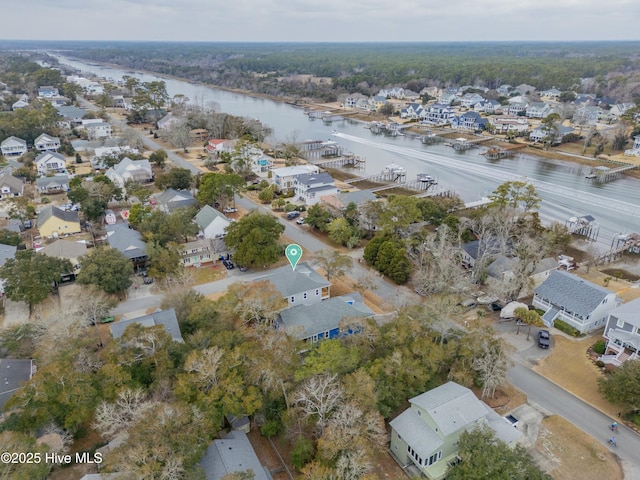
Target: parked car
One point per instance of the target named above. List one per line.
(230, 210)
(300, 221)
(544, 339)
(292, 215)
(147, 280)
(468, 303)
(494, 307)
(241, 268)
(228, 264)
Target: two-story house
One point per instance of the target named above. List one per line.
(578, 302)
(310, 187)
(622, 332)
(438, 114)
(10, 186)
(171, 200)
(50, 162)
(425, 437)
(509, 124)
(538, 110)
(48, 92)
(212, 223)
(468, 100)
(129, 242)
(469, 121)
(198, 253)
(302, 286)
(13, 147)
(284, 178)
(97, 128)
(160, 318)
(53, 222)
(488, 106)
(551, 94)
(587, 115)
(46, 143)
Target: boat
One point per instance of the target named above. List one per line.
(591, 176)
(448, 144)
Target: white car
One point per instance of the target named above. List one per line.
(300, 221)
(230, 210)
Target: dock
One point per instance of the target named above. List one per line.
(605, 174)
(496, 153)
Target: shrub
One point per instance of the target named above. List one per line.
(566, 328)
(599, 364)
(271, 428)
(599, 347)
(302, 452)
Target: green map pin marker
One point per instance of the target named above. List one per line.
(293, 253)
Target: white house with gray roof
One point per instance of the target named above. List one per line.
(166, 318)
(53, 184)
(13, 147)
(10, 186)
(212, 223)
(310, 187)
(319, 321)
(284, 178)
(302, 286)
(232, 454)
(46, 143)
(50, 162)
(171, 200)
(425, 437)
(130, 170)
(578, 302)
(622, 332)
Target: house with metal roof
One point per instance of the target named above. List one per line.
(232, 454)
(166, 318)
(622, 332)
(13, 147)
(302, 286)
(212, 223)
(574, 300)
(425, 437)
(53, 222)
(128, 242)
(318, 321)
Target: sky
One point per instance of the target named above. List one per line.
(320, 20)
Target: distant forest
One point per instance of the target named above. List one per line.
(612, 68)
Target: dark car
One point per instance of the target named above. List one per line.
(292, 215)
(228, 264)
(147, 280)
(544, 339)
(495, 307)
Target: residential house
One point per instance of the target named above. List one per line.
(578, 302)
(261, 162)
(447, 98)
(218, 146)
(543, 269)
(130, 170)
(469, 121)
(310, 187)
(506, 125)
(410, 95)
(413, 110)
(119, 101)
(538, 110)
(66, 249)
(622, 332)
(165, 318)
(551, 94)
(438, 114)
(71, 116)
(524, 89)
(170, 200)
(48, 92)
(395, 92)
(6, 252)
(20, 104)
(231, 454)
(587, 115)
(53, 184)
(619, 109)
(128, 242)
(98, 130)
(468, 100)
(169, 121)
(540, 133)
(318, 321)
(584, 99)
(15, 373)
(284, 178)
(53, 222)
(50, 162)
(504, 90)
(517, 108)
(426, 436)
(433, 92)
(97, 161)
(489, 107)
(47, 143)
(376, 102)
(635, 150)
(351, 101)
(13, 147)
(212, 223)
(198, 253)
(302, 286)
(10, 186)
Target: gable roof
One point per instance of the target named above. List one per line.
(60, 179)
(174, 199)
(50, 211)
(14, 183)
(71, 112)
(6, 252)
(166, 318)
(233, 453)
(289, 282)
(47, 156)
(572, 292)
(323, 316)
(13, 141)
(416, 433)
(46, 138)
(14, 373)
(207, 215)
(65, 249)
(126, 240)
(629, 312)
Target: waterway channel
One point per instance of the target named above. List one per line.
(562, 185)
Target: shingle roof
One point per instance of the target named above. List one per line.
(290, 282)
(572, 292)
(15, 184)
(6, 252)
(65, 249)
(51, 211)
(13, 139)
(233, 453)
(126, 240)
(166, 318)
(71, 112)
(173, 199)
(629, 312)
(60, 179)
(206, 215)
(314, 178)
(416, 433)
(323, 316)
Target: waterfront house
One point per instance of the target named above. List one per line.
(438, 114)
(578, 302)
(510, 124)
(587, 115)
(471, 121)
(538, 110)
(310, 187)
(284, 178)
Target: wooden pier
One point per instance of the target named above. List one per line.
(348, 160)
(496, 153)
(584, 226)
(605, 174)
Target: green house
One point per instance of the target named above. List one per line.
(425, 437)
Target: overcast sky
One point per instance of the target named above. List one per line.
(320, 20)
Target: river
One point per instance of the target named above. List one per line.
(562, 185)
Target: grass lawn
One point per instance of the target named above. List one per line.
(209, 273)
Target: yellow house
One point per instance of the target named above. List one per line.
(53, 222)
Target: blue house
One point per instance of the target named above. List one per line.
(469, 121)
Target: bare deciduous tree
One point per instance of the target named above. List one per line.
(492, 366)
(334, 264)
(113, 418)
(318, 397)
(205, 364)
